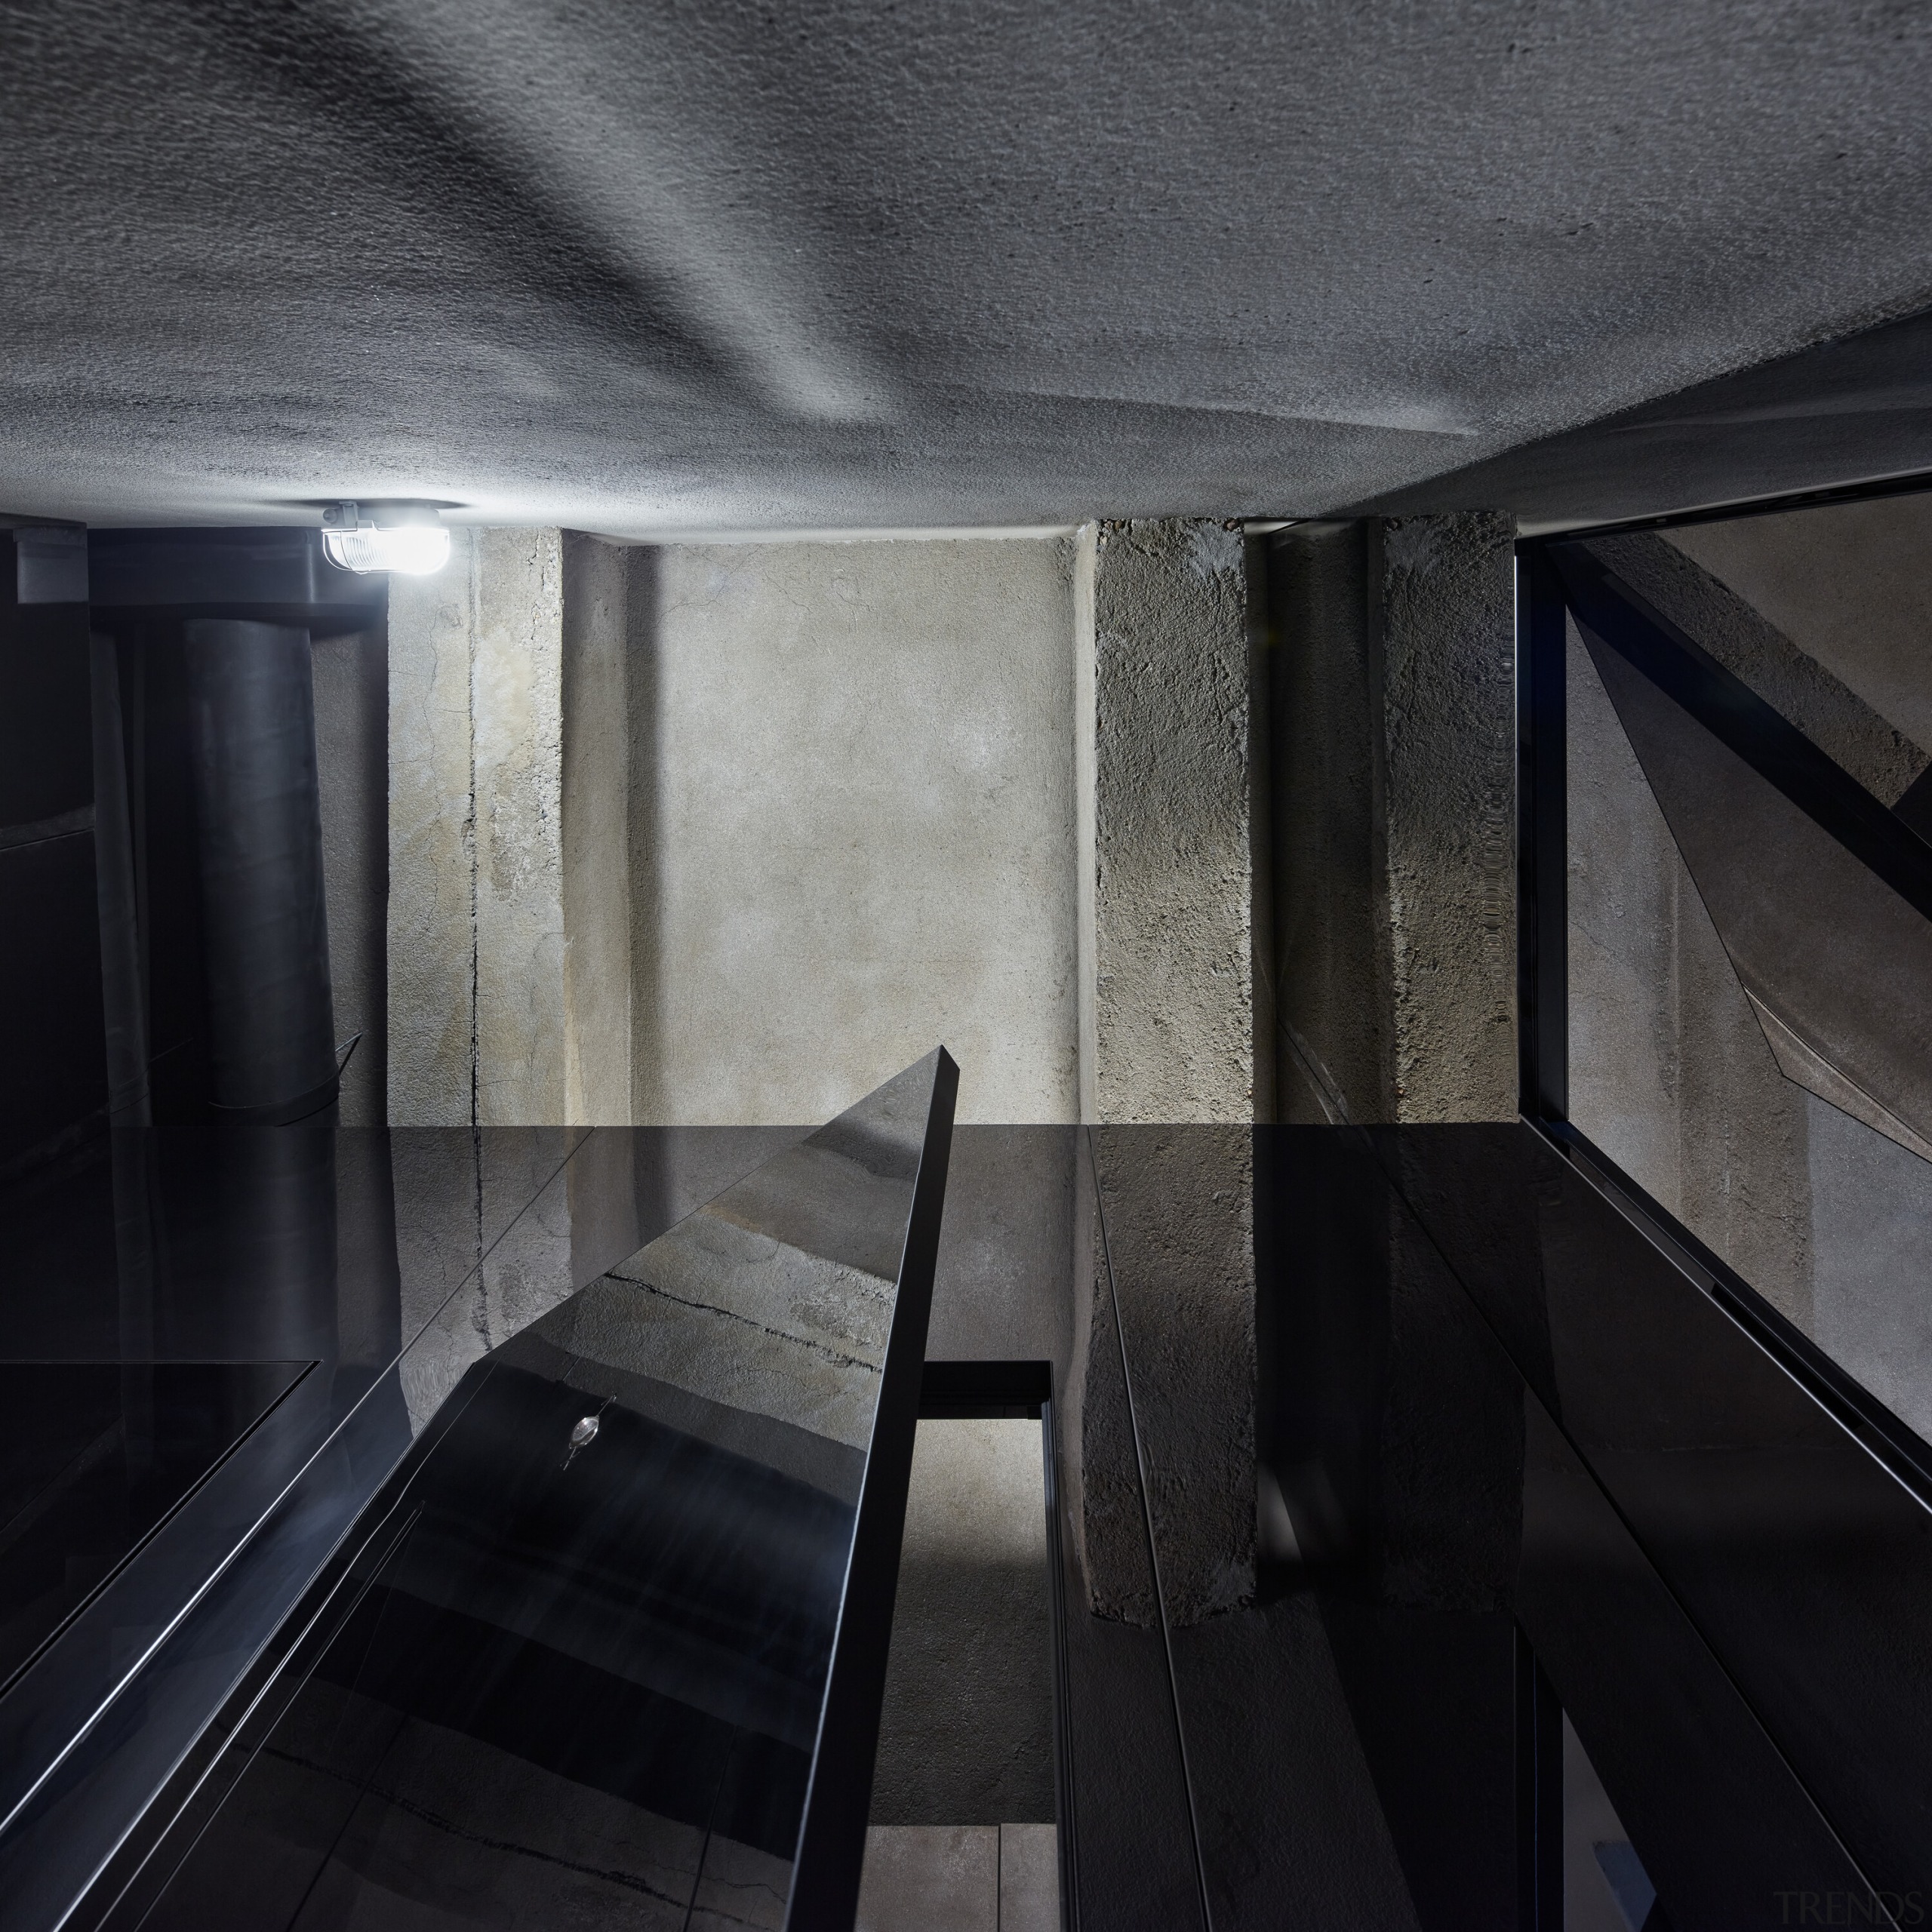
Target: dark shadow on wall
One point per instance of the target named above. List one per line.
(352, 675)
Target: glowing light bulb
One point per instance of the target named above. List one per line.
(408, 540)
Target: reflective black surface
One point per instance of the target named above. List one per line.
(1509, 1432)
(1518, 1440)
(390, 1258)
(612, 1648)
(94, 1457)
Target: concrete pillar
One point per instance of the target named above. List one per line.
(516, 720)
(1174, 1070)
(433, 845)
(491, 1023)
(596, 855)
(1393, 774)
(1170, 823)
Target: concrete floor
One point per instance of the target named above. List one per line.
(966, 1736)
(960, 1878)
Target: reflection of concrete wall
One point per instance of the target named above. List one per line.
(1882, 758)
(1848, 586)
(1669, 1072)
(1179, 1208)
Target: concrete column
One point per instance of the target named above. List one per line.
(516, 718)
(505, 766)
(596, 861)
(1168, 1005)
(1393, 777)
(1447, 657)
(1173, 866)
(433, 845)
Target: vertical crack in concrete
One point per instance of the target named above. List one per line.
(469, 853)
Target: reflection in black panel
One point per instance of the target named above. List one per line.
(586, 1661)
(93, 1457)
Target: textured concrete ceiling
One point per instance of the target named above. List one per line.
(640, 266)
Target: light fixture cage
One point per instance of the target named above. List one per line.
(408, 539)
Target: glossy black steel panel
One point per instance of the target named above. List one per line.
(1393, 1430)
(439, 1233)
(94, 1457)
(646, 1619)
(1369, 1743)
(1798, 1559)
(625, 1654)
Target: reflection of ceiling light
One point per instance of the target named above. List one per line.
(400, 536)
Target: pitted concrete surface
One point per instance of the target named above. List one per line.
(678, 266)
(1174, 880)
(1449, 744)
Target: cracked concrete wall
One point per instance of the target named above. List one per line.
(1392, 674)
(431, 902)
(491, 1020)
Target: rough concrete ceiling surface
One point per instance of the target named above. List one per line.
(646, 265)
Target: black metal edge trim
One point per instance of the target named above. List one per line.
(1555, 1134)
(1912, 483)
(1542, 1011)
(1066, 1785)
(831, 1834)
(966, 1389)
(1538, 1718)
(1904, 1454)
(1738, 719)
(282, 1660)
(180, 1814)
(1153, 1548)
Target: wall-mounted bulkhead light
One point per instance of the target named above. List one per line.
(407, 537)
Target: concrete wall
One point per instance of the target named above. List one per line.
(595, 747)
(732, 833)
(1670, 1071)
(482, 1027)
(1664, 570)
(966, 1734)
(853, 826)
